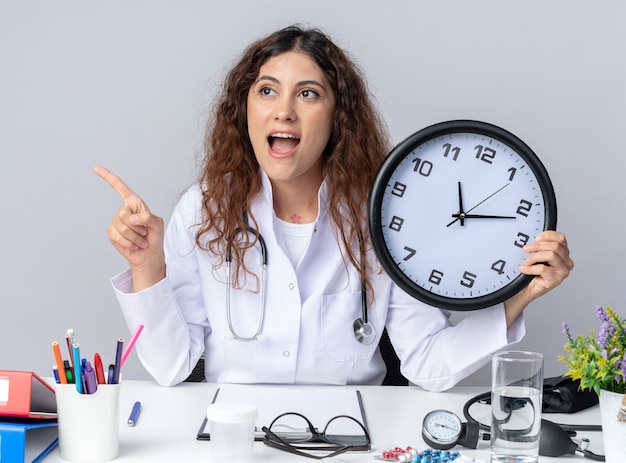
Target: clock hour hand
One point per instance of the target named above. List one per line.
(481, 216)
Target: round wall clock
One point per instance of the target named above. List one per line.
(451, 209)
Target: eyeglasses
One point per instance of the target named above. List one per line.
(294, 433)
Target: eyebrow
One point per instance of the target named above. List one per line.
(299, 84)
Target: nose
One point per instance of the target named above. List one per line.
(285, 109)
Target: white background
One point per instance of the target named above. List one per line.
(127, 84)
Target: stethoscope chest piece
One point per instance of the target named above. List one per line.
(364, 332)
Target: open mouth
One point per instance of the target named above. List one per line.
(282, 142)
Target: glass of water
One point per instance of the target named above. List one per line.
(516, 394)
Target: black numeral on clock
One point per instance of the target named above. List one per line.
(522, 240)
(398, 189)
(396, 223)
(485, 153)
(448, 149)
(422, 167)
(498, 266)
(512, 170)
(435, 277)
(411, 253)
(524, 207)
(468, 279)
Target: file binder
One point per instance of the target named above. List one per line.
(23, 394)
(26, 441)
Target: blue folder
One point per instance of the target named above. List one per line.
(27, 441)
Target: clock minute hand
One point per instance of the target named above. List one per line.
(461, 211)
(470, 210)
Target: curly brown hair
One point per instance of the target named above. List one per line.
(230, 176)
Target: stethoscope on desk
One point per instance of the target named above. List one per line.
(364, 331)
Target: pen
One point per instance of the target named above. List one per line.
(55, 372)
(118, 361)
(97, 364)
(70, 335)
(59, 362)
(89, 374)
(69, 342)
(131, 343)
(110, 379)
(78, 374)
(134, 414)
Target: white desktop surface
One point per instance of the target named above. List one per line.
(171, 417)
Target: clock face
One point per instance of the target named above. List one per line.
(451, 209)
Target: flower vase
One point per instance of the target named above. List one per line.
(613, 430)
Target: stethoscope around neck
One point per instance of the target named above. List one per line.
(364, 331)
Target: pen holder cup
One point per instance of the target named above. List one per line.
(89, 424)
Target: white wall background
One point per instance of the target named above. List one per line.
(127, 84)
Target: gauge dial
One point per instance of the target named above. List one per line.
(441, 429)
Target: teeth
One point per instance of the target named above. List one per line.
(282, 135)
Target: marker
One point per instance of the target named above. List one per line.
(69, 374)
(97, 364)
(118, 361)
(89, 374)
(134, 414)
(59, 362)
(78, 373)
(131, 343)
(55, 372)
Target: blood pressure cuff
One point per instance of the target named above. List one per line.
(562, 394)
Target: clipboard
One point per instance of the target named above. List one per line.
(318, 404)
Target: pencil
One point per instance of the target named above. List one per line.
(78, 373)
(69, 348)
(118, 361)
(131, 343)
(59, 361)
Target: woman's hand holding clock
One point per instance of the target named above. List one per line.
(549, 262)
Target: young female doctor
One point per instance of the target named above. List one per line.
(267, 263)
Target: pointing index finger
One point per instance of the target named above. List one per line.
(116, 183)
(131, 199)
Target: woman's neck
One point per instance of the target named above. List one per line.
(296, 203)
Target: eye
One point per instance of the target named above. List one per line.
(266, 91)
(309, 93)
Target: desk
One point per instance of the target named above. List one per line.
(170, 418)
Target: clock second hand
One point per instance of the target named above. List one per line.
(463, 215)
